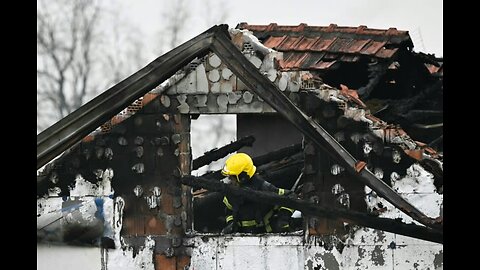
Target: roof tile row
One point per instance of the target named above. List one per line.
(320, 47)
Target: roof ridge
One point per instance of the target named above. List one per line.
(332, 27)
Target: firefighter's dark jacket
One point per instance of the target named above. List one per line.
(249, 213)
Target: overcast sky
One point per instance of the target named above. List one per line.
(422, 18)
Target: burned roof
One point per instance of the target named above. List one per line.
(320, 47)
(147, 148)
(432, 63)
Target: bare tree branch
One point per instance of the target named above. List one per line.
(70, 54)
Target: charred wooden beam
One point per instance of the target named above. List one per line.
(398, 109)
(263, 159)
(217, 175)
(269, 92)
(217, 154)
(283, 174)
(377, 71)
(277, 174)
(208, 206)
(279, 168)
(432, 126)
(416, 115)
(280, 174)
(278, 154)
(81, 122)
(312, 209)
(436, 141)
(428, 58)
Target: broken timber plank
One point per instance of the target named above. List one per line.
(263, 159)
(313, 209)
(216, 154)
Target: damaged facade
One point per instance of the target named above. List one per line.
(350, 118)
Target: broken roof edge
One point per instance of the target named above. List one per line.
(392, 36)
(342, 43)
(268, 91)
(75, 126)
(181, 74)
(341, 97)
(346, 98)
(356, 110)
(245, 36)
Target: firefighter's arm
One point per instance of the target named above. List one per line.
(290, 194)
(281, 191)
(229, 218)
(267, 186)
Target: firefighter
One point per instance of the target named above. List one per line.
(243, 215)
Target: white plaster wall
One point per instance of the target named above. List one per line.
(290, 252)
(50, 257)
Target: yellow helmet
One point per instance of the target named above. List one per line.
(237, 164)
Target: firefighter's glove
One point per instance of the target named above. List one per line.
(230, 228)
(282, 221)
(290, 194)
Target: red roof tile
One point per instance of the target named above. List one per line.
(307, 47)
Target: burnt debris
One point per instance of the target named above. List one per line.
(364, 105)
(314, 209)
